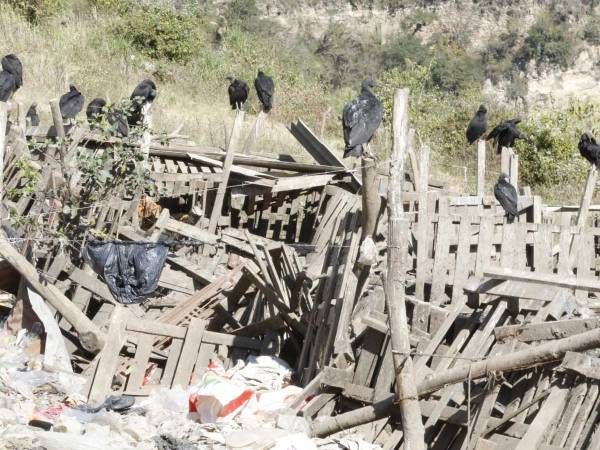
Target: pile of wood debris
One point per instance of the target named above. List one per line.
(483, 330)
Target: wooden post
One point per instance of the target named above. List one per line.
(371, 201)
(231, 148)
(57, 119)
(586, 197)
(3, 120)
(514, 170)
(22, 118)
(423, 222)
(480, 168)
(146, 135)
(412, 425)
(91, 338)
(253, 136)
(416, 177)
(519, 360)
(505, 161)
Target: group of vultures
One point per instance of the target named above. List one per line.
(360, 118)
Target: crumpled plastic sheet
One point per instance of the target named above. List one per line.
(131, 270)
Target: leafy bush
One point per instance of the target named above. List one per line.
(548, 42)
(453, 70)
(245, 15)
(404, 48)
(497, 56)
(161, 33)
(591, 31)
(349, 57)
(551, 157)
(37, 10)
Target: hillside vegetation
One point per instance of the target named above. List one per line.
(106, 46)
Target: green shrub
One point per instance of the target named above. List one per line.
(497, 56)
(37, 10)
(348, 57)
(551, 157)
(161, 33)
(453, 70)
(245, 15)
(591, 31)
(548, 42)
(404, 48)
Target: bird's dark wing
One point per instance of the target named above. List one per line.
(7, 86)
(514, 121)
(475, 129)
(264, 89)
(506, 194)
(498, 129)
(71, 104)
(232, 96)
(144, 92)
(118, 120)
(361, 117)
(13, 65)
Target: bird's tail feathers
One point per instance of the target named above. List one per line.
(355, 151)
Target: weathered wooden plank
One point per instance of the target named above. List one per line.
(548, 330)
(547, 278)
(552, 407)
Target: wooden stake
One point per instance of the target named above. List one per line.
(231, 148)
(370, 197)
(586, 197)
(398, 233)
(505, 161)
(522, 359)
(423, 222)
(480, 168)
(3, 120)
(253, 136)
(514, 170)
(57, 119)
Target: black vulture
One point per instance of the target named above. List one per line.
(265, 89)
(506, 194)
(32, 115)
(95, 111)
(477, 125)
(143, 94)
(12, 64)
(360, 119)
(8, 85)
(238, 92)
(71, 103)
(505, 134)
(589, 149)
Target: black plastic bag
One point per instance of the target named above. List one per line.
(130, 269)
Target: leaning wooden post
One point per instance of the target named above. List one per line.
(253, 136)
(586, 197)
(146, 134)
(584, 209)
(412, 425)
(231, 148)
(3, 120)
(57, 119)
(480, 168)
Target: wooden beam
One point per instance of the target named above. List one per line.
(586, 196)
(412, 425)
(57, 119)
(231, 148)
(545, 278)
(547, 330)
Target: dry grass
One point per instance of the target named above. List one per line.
(79, 49)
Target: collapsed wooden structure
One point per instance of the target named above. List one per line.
(487, 346)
